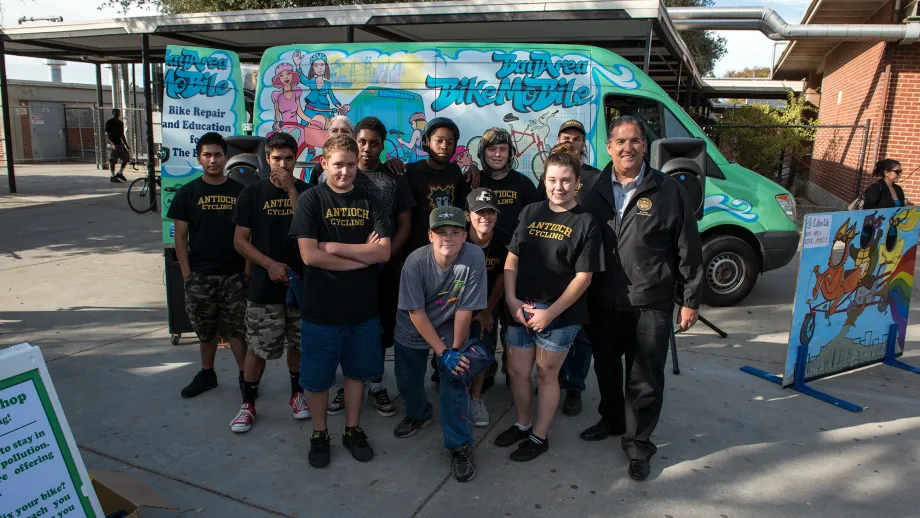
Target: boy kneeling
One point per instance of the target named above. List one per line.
(442, 284)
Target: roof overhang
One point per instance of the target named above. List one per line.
(619, 25)
(804, 57)
(750, 88)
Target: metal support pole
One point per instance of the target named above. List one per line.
(647, 63)
(133, 103)
(148, 110)
(7, 123)
(690, 96)
(349, 34)
(680, 77)
(97, 120)
(862, 158)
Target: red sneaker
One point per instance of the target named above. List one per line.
(299, 406)
(244, 419)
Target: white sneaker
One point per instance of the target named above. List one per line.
(299, 406)
(479, 413)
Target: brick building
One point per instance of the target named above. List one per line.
(859, 83)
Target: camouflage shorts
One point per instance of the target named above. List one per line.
(267, 327)
(216, 304)
(117, 153)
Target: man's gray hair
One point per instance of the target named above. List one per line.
(627, 119)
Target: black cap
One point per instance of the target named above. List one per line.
(481, 198)
(569, 124)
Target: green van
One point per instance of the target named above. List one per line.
(748, 225)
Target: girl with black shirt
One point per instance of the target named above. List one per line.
(552, 256)
(885, 193)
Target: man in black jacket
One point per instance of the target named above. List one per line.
(653, 255)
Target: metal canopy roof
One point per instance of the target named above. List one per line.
(800, 58)
(750, 88)
(619, 25)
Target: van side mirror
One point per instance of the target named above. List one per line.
(246, 159)
(684, 159)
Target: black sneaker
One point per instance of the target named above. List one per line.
(355, 440)
(409, 427)
(202, 382)
(382, 402)
(319, 449)
(572, 404)
(114, 180)
(511, 436)
(461, 464)
(338, 404)
(121, 177)
(530, 449)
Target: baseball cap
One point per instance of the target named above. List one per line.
(569, 124)
(481, 198)
(442, 216)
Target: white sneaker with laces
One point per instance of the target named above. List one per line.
(299, 406)
(480, 416)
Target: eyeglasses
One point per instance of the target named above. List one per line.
(895, 171)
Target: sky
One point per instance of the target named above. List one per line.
(745, 48)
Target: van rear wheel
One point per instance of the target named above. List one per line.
(730, 270)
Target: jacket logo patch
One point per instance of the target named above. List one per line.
(644, 205)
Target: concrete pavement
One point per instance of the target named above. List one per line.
(81, 276)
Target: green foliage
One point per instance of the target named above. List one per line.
(761, 149)
(705, 47)
(758, 72)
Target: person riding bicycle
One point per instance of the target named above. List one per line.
(414, 144)
(320, 99)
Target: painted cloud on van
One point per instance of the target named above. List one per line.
(531, 92)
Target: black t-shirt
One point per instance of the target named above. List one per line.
(267, 210)
(393, 196)
(495, 252)
(208, 210)
(514, 192)
(334, 297)
(552, 247)
(432, 188)
(115, 129)
(588, 174)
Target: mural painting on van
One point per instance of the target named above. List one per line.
(736, 207)
(203, 92)
(530, 93)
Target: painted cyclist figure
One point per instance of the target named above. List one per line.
(320, 99)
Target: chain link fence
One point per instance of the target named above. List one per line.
(823, 165)
(135, 121)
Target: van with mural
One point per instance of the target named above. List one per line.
(748, 224)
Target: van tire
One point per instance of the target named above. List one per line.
(730, 269)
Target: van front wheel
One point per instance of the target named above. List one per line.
(730, 270)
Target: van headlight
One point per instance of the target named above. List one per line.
(787, 203)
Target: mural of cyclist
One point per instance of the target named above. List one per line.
(287, 97)
(320, 103)
(418, 122)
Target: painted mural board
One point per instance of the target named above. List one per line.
(529, 92)
(203, 92)
(855, 280)
(41, 471)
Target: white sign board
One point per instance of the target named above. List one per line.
(41, 472)
(817, 231)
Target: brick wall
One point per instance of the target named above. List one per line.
(852, 91)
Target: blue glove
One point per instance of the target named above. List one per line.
(450, 359)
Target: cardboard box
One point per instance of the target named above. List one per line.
(119, 491)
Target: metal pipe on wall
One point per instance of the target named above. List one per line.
(776, 28)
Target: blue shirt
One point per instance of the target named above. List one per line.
(623, 193)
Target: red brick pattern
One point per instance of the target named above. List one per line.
(852, 88)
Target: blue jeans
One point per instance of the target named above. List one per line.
(488, 337)
(323, 347)
(411, 365)
(577, 364)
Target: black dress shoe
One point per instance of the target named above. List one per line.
(599, 432)
(639, 469)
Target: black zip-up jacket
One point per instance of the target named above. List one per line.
(654, 254)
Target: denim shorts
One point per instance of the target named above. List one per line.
(557, 339)
(323, 347)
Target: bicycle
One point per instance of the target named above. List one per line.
(142, 196)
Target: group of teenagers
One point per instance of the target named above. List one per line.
(439, 265)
